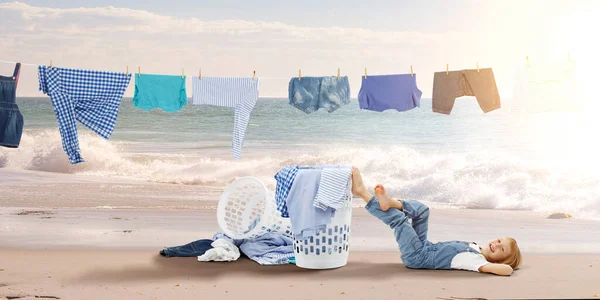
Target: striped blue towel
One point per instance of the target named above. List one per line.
(332, 188)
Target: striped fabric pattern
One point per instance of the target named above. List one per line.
(237, 92)
(332, 188)
(545, 88)
(90, 97)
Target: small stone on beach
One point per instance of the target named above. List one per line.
(560, 216)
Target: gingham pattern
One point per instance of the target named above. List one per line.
(237, 92)
(91, 97)
(285, 179)
(332, 188)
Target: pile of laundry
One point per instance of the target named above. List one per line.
(269, 249)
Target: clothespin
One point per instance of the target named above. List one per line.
(299, 74)
(477, 67)
(411, 71)
(527, 59)
(253, 75)
(127, 70)
(182, 73)
(50, 64)
(365, 73)
(200, 74)
(139, 71)
(338, 74)
(446, 69)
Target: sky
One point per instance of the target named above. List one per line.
(276, 38)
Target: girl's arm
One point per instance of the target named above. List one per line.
(498, 269)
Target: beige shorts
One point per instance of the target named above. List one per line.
(448, 87)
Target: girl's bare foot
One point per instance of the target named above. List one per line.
(358, 187)
(385, 202)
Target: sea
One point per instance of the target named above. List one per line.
(546, 162)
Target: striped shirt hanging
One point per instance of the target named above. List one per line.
(239, 93)
(546, 88)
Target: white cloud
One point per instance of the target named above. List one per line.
(110, 38)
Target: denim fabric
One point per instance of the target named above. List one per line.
(11, 119)
(311, 93)
(196, 248)
(417, 252)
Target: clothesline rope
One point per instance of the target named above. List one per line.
(14, 62)
(267, 77)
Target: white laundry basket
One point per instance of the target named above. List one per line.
(247, 210)
(329, 247)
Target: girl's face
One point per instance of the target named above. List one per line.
(497, 250)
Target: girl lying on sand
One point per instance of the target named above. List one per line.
(499, 257)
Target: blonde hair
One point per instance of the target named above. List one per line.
(514, 260)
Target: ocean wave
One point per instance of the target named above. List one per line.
(469, 180)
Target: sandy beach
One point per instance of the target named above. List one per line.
(99, 238)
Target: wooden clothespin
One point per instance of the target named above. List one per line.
(127, 70)
(199, 74)
(411, 71)
(182, 73)
(50, 64)
(477, 67)
(365, 73)
(338, 77)
(254, 75)
(446, 69)
(139, 71)
(527, 59)
(299, 74)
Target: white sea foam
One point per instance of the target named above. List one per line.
(454, 180)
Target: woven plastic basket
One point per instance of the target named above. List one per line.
(247, 210)
(329, 247)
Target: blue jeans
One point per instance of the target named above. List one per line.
(197, 248)
(411, 238)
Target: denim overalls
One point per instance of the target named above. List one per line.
(11, 120)
(417, 251)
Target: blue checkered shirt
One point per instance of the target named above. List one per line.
(285, 178)
(91, 97)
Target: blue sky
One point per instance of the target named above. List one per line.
(275, 38)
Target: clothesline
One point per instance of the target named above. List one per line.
(261, 77)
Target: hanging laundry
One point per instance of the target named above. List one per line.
(308, 94)
(11, 119)
(91, 97)
(306, 219)
(239, 93)
(546, 88)
(332, 188)
(285, 179)
(195, 248)
(383, 92)
(447, 87)
(159, 91)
